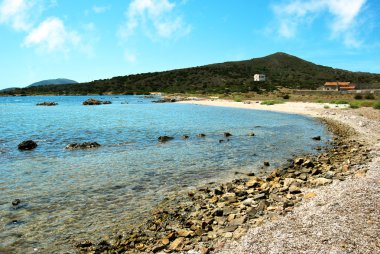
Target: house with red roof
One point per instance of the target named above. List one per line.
(338, 86)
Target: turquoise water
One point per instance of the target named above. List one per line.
(72, 195)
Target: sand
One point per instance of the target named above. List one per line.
(343, 217)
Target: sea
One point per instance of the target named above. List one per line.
(71, 195)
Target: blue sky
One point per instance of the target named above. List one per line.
(86, 40)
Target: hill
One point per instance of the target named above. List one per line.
(58, 81)
(281, 69)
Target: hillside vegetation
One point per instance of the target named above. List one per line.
(281, 70)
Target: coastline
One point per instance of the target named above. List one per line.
(211, 218)
(337, 218)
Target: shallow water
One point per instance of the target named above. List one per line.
(72, 195)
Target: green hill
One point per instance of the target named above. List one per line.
(281, 70)
(58, 81)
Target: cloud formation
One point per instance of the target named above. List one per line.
(16, 13)
(155, 18)
(51, 35)
(345, 14)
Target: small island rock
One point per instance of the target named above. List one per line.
(27, 145)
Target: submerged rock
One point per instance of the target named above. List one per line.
(27, 145)
(201, 135)
(185, 137)
(47, 103)
(85, 145)
(164, 138)
(227, 134)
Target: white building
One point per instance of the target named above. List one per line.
(259, 77)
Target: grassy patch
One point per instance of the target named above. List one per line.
(376, 105)
(339, 102)
(271, 102)
(326, 106)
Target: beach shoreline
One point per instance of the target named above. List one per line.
(215, 218)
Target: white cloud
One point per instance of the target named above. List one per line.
(52, 35)
(100, 9)
(155, 17)
(16, 13)
(344, 13)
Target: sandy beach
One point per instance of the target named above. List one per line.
(343, 217)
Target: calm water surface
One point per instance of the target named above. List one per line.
(72, 195)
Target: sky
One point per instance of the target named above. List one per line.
(86, 40)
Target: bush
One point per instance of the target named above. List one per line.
(358, 97)
(354, 104)
(326, 106)
(270, 102)
(369, 96)
(376, 105)
(286, 97)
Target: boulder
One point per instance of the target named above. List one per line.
(316, 138)
(164, 138)
(320, 181)
(92, 101)
(227, 134)
(266, 163)
(27, 145)
(85, 145)
(47, 103)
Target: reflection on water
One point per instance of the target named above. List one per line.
(71, 195)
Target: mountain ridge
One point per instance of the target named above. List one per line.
(281, 69)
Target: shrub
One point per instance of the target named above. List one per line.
(354, 104)
(272, 102)
(358, 97)
(369, 96)
(326, 106)
(376, 105)
(286, 97)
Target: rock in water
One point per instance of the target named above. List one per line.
(266, 163)
(85, 145)
(27, 145)
(47, 103)
(201, 135)
(227, 134)
(164, 138)
(316, 138)
(16, 202)
(92, 101)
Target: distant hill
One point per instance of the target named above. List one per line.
(58, 81)
(281, 69)
(8, 89)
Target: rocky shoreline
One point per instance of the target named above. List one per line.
(202, 219)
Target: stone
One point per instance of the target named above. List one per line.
(184, 137)
(27, 145)
(309, 195)
(92, 101)
(184, 232)
(293, 189)
(316, 138)
(177, 244)
(164, 138)
(227, 134)
(16, 202)
(249, 202)
(229, 197)
(251, 134)
(165, 241)
(320, 181)
(228, 235)
(217, 212)
(201, 135)
(85, 145)
(266, 163)
(259, 196)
